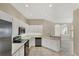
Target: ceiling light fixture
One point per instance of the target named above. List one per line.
(26, 5)
(30, 14)
(50, 5)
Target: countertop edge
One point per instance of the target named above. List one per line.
(17, 48)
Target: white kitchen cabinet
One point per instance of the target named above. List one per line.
(51, 44)
(44, 42)
(20, 52)
(32, 42)
(54, 45)
(17, 53)
(16, 24)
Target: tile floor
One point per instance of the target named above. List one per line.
(41, 51)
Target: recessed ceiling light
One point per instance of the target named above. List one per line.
(30, 14)
(50, 5)
(26, 5)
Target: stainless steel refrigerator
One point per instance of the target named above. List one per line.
(5, 38)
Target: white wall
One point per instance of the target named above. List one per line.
(76, 32)
(63, 12)
(67, 39)
(35, 29)
(48, 29)
(32, 42)
(57, 30)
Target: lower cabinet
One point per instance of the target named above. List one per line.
(51, 44)
(32, 42)
(17, 53)
(20, 52)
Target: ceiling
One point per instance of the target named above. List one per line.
(35, 11)
(59, 12)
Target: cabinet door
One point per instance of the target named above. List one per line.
(17, 53)
(32, 42)
(15, 25)
(51, 44)
(44, 42)
(22, 51)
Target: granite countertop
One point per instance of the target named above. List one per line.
(17, 46)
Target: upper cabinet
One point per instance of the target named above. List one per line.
(5, 16)
(16, 23)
